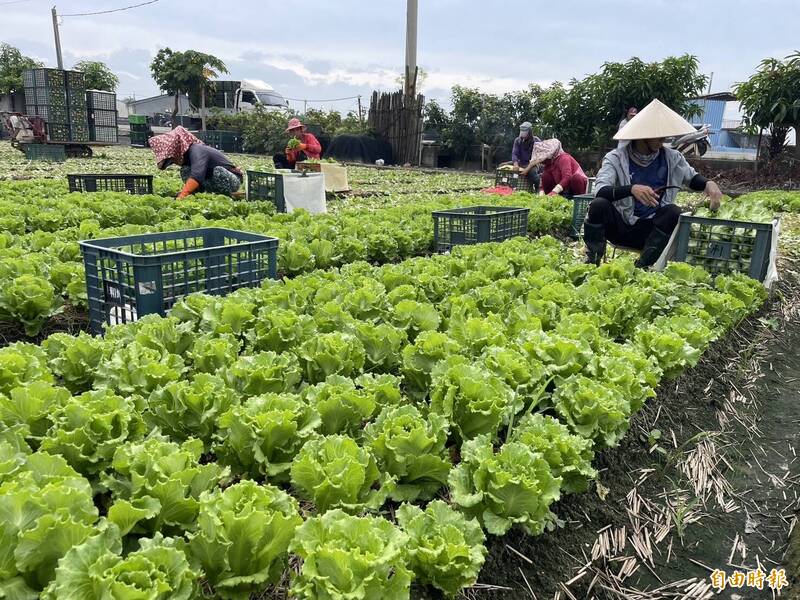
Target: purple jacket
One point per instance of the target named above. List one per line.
(520, 154)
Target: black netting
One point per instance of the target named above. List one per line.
(359, 148)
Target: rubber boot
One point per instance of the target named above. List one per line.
(653, 247)
(595, 238)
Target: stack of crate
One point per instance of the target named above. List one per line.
(140, 130)
(76, 106)
(58, 97)
(102, 116)
(46, 97)
(224, 94)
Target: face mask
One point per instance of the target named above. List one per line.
(524, 134)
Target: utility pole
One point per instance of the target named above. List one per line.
(57, 37)
(710, 81)
(360, 114)
(411, 47)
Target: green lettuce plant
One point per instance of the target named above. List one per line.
(334, 472)
(445, 548)
(358, 558)
(242, 537)
(511, 486)
(411, 448)
(96, 570)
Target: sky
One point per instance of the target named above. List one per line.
(324, 50)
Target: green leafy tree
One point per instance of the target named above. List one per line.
(587, 113)
(187, 72)
(98, 75)
(770, 100)
(12, 64)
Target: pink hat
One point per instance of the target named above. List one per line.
(294, 124)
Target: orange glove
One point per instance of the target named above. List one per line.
(190, 187)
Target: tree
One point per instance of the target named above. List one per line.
(187, 72)
(98, 75)
(770, 100)
(585, 115)
(12, 64)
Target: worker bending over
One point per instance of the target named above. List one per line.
(203, 168)
(523, 149)
(305, 147)
(562, 174)
(637, 185)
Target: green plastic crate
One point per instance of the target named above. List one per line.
(53, 152)
(266, 186)
(513, 180)
(137, 119)
(724, 246)
(477, 224)
(580, 207)
(129, 277)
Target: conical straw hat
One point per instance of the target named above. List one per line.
(656, 120)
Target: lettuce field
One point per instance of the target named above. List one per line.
(358, 429)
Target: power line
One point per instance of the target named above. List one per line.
(105, 12)
(318, 101)
(13, 2)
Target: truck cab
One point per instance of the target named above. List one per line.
(246, 96)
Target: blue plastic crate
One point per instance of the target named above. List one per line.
(132, 276)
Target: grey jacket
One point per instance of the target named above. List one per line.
(616, 171)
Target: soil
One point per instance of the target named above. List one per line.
(742, 401)
(71, 320)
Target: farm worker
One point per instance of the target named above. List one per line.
(562, 174)
(629, 114)
(522, 150)
(637, 185)
(308, 148)
(203, 168)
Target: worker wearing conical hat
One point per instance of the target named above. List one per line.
(636, 187)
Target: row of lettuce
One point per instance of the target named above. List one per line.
(368, 426)
(41, 266)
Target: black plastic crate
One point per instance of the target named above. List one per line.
(133, 276)
(141, 139)
(103, 118)
(477, 224)
(45, 96)
(99, 100)
(132, 184)
(266, 186)
(53, 152)
(513, 180)
(50, 114)
(724, 246)
(580, 207)
(49, 78)
(98, 133)
(75, 79)
(225, 141)
(58, 132)
(79, 133)
(140, 128)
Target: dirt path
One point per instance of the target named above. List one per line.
(718, 489)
